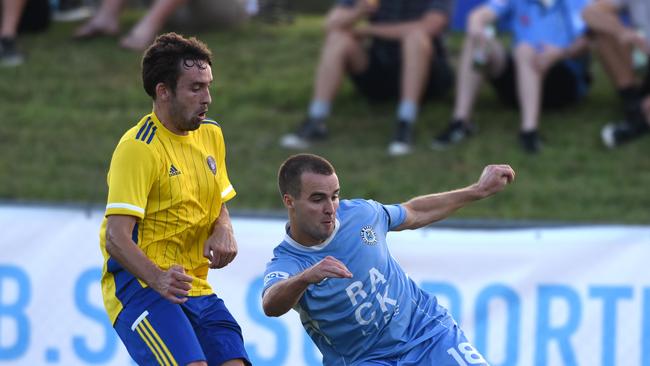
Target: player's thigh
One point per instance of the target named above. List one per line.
(217, 330)
(449, 349)
(157, 332)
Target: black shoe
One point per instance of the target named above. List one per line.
(615, 134)
(455, 132)
(401, 144)
(530, 141)
(9, 54)
(310, 131)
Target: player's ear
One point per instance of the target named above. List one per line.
(288, 200)
(162, 91)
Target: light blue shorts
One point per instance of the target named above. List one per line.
(449, 348)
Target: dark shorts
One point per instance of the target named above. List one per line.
(645, 85)
(157, 332)
(563, 85)
(381, 81)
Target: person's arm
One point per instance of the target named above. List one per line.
(346, 17)
(221, 247)
(284, 295)
(579, 47)
(424, 210)
(549, 55)
(432, 23)
(173, 284)
(479, 19)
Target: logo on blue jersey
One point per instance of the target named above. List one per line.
(212, 164)
(173, 171)
(368, 235)
(274, 276)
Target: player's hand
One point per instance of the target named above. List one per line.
(494, 178)
(220, 248)
(329, 267)
(173, 284)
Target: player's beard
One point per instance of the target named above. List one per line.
(185, 120)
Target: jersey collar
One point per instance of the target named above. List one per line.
(313, 248)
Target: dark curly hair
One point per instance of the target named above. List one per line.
(162, 61)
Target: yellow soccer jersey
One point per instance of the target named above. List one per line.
(175, 186)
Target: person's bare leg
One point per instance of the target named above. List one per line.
(416, 55)
(11, 13)
(341, 52)
(144, 32)
(105, 22)
(469, 79)
(616, 60)
(529, 87)
(416, 60)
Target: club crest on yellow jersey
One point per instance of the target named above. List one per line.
(212, 164)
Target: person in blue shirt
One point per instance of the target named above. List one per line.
(391, 49)
(335, 269)
(547, 66)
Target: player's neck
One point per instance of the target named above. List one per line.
(166, 118)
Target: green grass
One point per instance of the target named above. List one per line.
(62, 113)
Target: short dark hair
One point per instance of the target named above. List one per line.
(162, 60)
(290, 172)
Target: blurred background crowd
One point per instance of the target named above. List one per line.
(579, 66)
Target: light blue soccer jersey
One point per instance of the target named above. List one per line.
(531, 21)
(380, 312)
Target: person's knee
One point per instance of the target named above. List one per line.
(524, 54)
(419, 41)
(340, 41)
(524, 51)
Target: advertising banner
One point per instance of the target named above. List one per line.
(525, 297)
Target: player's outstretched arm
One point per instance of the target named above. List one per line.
(172, 284)
(284, 295)
(424, 210)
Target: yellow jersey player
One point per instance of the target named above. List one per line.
(166, 220)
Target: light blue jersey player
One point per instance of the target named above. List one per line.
(334, 268)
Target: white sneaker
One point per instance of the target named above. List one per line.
(294, 142)
(398, 148)
(607, 135)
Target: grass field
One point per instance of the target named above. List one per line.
(62, 113)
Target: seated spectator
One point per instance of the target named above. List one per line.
(397, 53)
(12, 11)
(616, 42)
(546, 66)
(186, 14)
